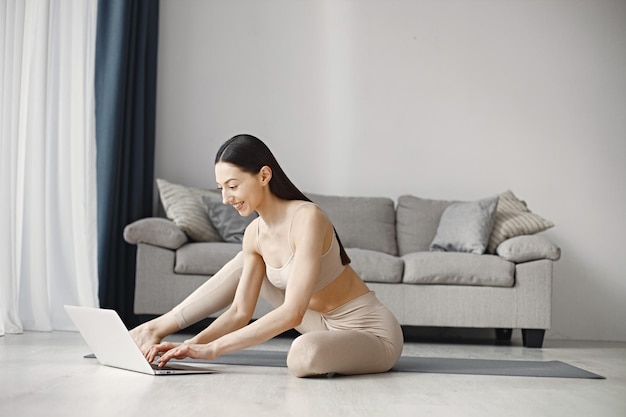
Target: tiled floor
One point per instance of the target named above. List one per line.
(45, 374)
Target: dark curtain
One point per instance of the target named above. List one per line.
(125, 83)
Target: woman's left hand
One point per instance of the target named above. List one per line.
(171, 351)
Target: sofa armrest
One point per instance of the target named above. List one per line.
(528, 248)
(155, 231)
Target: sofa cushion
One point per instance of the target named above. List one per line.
(417, 220)
(226, 220)
(155, 231)
(362, 222)
(456, 268)
(376, 266)
(204, 258)
(466, 226)
(528, 248)
(514, 218)
(183, 205)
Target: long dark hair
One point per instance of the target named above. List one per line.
(250, 154)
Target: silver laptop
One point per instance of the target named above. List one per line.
(105, 334)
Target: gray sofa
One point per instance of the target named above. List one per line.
(509, 286)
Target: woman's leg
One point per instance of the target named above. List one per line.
(215, 294)
(350, 352)
(212, 296)
(362, 337)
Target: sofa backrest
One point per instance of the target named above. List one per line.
(417, 220)
(362, 222)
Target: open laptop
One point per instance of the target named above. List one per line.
(105, 334)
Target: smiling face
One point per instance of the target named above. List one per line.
(241, 189)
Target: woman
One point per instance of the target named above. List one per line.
(293, 257)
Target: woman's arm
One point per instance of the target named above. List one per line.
(242, 308)
(309, 231)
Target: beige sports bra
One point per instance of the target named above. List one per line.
(330, 267)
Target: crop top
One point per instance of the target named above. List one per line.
(330, 266)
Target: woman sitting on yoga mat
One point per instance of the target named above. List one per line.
(293, 257)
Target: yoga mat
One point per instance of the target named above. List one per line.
(550, 369)
(547, 369)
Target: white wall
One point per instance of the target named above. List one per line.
(440, 99)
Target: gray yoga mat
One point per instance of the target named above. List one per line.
(552, 369)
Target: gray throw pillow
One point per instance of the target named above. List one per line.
(466, 226)
(229, 224)
(527, 248)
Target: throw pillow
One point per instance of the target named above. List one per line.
(183, 205)
(513, 218)
(528, 248)
(228, 222)
(466, 226)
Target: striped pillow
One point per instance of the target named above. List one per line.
(513, 218)
(184, 206)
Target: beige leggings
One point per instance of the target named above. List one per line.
(359, 337)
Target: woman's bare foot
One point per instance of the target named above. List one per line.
(152, 332)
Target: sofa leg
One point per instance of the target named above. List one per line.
(533, 338)
(504, 335)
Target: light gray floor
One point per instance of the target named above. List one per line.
(45, 374)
